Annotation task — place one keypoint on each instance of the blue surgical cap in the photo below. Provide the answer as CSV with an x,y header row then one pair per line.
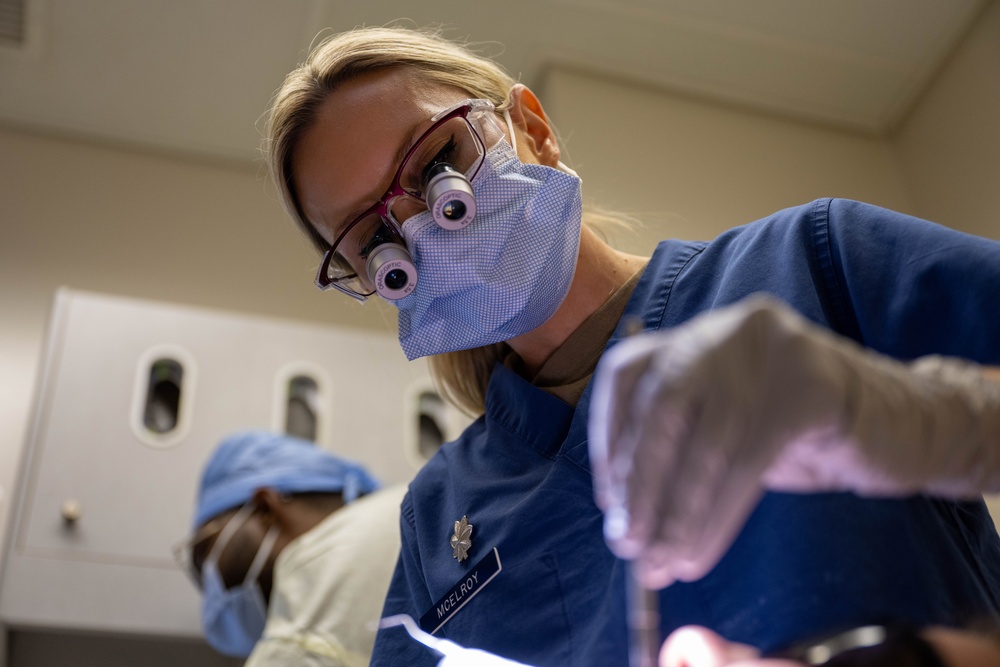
x,y
251,460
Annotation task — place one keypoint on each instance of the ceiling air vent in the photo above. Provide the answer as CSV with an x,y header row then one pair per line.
x,y
12,14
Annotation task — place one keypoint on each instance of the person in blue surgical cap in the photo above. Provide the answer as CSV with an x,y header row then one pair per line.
x,y
428,177
292,549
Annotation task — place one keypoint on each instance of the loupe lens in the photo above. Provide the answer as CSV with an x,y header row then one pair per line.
x,y
396,279
454,210
449,197
390,269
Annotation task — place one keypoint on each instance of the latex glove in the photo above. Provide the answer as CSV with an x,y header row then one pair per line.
x,y
688,426
454,654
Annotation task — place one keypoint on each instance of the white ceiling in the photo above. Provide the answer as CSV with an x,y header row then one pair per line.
x,y
194,76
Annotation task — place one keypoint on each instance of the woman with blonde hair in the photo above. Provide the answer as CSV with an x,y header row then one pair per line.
x,y
427,176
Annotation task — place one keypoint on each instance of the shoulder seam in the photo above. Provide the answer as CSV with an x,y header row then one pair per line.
x,y
834,299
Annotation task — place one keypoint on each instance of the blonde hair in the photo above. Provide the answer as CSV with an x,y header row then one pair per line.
x,y
462,377
348,55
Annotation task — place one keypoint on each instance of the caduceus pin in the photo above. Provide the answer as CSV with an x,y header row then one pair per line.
x,y
461,541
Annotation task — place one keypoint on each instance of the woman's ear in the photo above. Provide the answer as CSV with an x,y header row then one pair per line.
x,y
535,134
271,505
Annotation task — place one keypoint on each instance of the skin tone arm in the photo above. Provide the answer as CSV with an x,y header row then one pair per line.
x,y
963,648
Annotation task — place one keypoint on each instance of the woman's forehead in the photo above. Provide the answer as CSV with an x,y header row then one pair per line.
x,y
385,100
350,152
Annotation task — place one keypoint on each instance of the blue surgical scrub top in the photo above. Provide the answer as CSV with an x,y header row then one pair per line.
x,y
803,564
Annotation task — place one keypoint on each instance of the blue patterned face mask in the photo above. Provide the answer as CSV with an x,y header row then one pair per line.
x,y
503,275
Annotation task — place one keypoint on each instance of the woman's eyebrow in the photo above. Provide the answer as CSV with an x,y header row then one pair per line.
x,y
401,152
408,143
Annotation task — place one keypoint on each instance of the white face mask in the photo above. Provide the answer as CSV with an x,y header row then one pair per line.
x,y
233,619
507,272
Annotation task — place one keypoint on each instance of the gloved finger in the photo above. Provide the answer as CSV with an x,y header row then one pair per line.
x,y
717,470
612,412
649,360
734,452
709,503
694,432
647,455
667,484
682,471
651,445
624,459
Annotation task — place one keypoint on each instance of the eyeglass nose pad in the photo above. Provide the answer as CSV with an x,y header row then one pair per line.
x,y
405,207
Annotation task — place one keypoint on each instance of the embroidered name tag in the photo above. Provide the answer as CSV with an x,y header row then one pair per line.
x,y
467,587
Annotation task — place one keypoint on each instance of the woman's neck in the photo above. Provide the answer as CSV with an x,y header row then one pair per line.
x,y
600,271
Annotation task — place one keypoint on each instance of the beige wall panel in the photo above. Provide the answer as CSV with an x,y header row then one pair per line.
x,y
949,147
111,220
692,170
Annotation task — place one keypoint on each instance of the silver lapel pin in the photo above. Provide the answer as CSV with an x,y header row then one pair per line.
x,y
461,541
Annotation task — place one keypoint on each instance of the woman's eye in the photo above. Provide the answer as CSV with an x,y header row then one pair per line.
x,y
381,235
447,154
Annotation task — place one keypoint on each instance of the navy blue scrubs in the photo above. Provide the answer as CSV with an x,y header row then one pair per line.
x,y
803,564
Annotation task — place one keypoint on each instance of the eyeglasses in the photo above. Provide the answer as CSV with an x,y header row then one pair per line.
x,y
192,553
458,139
189,554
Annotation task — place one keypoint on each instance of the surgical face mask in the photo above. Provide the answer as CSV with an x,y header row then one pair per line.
x,y
233,619
503,275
